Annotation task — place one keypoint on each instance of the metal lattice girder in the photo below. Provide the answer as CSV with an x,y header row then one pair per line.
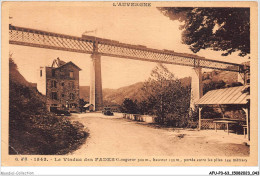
x,y
42,39
105,47
163,56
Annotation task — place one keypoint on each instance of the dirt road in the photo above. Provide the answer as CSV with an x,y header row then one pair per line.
x,y
117,136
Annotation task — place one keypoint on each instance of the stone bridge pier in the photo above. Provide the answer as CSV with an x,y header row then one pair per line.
x,y
196,87
96,97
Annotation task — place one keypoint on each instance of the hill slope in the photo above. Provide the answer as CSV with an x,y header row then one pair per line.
x,y
211,80
115,96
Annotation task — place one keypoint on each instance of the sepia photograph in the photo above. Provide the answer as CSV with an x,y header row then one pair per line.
x,y
129,84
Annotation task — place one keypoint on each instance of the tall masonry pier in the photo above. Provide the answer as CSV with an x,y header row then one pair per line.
x,y
96,97
196,86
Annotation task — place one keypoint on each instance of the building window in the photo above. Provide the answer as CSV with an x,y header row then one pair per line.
x,y
72,96
40,73
71,74
53,73
62,95
62,84
54,96
54,83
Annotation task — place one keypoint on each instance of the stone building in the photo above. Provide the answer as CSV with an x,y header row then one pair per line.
x,y
60,84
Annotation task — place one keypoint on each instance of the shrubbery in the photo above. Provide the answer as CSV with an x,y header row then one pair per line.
x,y
168,99
165,97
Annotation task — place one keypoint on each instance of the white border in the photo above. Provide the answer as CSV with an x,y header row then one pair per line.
x,y
174,170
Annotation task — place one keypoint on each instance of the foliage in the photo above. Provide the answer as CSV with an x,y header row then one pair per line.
x,y
213,85
220,29
143,107
34,130
166,98
210,113
234,112
163,96
129,106
220,84
82,103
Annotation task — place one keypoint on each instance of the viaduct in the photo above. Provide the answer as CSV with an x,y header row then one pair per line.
x,y
98,47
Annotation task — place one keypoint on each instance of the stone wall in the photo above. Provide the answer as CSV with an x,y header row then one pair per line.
x,y
138,117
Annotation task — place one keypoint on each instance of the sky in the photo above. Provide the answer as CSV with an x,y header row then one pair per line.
x,y
140,26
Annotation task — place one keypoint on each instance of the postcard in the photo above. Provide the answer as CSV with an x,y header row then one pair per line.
x,y
139,83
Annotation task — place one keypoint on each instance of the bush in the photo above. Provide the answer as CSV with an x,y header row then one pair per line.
x,y
129,106
166,98
213,85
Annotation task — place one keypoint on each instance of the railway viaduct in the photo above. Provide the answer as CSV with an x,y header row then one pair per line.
x,y
98,47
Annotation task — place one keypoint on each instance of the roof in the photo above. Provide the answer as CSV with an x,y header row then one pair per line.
x,y
60,63
232,95
71,64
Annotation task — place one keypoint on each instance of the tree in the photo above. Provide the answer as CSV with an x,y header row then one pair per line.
x,y
143,107
212,85
220,29
82,103
165,97
129,106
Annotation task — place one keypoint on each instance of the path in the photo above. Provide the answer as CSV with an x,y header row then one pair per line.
x,y
122,137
